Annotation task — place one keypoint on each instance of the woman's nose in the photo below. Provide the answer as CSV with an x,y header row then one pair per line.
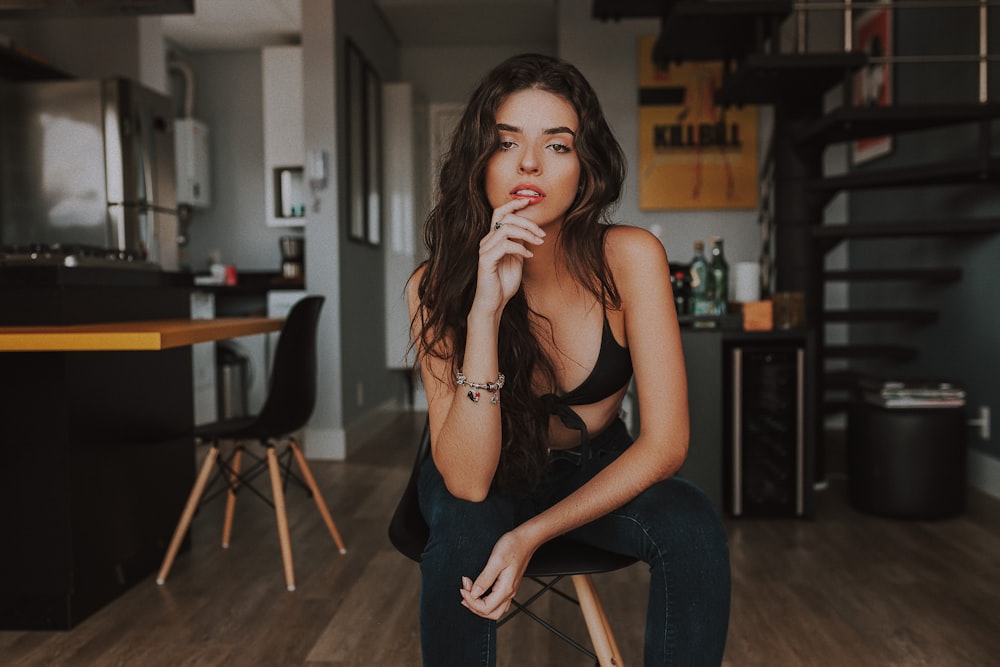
x,y
528,163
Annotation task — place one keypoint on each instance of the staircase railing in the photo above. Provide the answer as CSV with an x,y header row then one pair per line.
x,y
848,9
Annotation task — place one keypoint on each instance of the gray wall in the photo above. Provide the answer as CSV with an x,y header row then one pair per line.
x,y
228,92
367,381
962,345
353,377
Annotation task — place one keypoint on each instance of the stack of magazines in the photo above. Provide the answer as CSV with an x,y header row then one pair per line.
x,y
911,394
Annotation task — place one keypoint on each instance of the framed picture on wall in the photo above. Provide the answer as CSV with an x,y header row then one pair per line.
x,y
356,120
373,156
364,148
873,83
693,153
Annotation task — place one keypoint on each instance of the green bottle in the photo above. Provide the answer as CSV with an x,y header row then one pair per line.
x,y
700,303
719,270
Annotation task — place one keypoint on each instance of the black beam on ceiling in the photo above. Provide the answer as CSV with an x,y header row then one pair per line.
x,y
616,10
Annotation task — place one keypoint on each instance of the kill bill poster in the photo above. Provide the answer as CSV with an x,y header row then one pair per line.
x,y
693,154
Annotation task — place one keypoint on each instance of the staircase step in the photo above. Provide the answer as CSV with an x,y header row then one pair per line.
x,y
943,173
834,407
717,30
866,315
929,275
859,351
831,235
768,78
840,380
850,123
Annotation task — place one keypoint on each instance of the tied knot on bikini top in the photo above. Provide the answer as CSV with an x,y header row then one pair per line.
x,y
611,372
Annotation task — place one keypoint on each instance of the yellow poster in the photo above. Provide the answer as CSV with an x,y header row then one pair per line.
x,y
693,154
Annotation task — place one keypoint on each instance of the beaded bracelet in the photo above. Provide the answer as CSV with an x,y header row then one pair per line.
x,y
492,387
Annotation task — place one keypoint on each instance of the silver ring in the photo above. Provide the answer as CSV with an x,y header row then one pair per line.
x,y
497,225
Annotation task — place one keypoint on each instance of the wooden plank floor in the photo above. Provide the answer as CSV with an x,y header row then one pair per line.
x,y
843,589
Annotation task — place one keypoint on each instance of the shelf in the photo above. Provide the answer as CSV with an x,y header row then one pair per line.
x,y
890,352
767,79
930,275
945,173
718,30
850,123
76,8
840,380
830,235
868,316
19,65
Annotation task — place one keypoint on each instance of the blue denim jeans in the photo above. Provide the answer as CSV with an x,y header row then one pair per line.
x,y
672,526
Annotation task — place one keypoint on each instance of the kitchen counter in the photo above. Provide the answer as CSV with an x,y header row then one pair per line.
x,y
96,414
130,336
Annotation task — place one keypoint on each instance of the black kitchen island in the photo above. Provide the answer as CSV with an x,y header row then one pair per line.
x,y
97,456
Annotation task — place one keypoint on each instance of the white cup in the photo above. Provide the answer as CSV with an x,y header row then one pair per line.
x,y
747,279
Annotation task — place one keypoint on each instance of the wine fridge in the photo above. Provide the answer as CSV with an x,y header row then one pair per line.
x,y
766,433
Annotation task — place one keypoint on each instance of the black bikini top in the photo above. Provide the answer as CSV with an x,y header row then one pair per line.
x,y
611,372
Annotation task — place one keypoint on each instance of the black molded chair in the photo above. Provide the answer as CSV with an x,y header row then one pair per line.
x,y
557,559
290,401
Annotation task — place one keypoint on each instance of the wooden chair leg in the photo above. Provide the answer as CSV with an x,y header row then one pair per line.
x,y
597,623
282,517
188,513
227,526
317,496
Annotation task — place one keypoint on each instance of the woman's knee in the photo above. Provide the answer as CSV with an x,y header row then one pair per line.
x,y
460,529
680,517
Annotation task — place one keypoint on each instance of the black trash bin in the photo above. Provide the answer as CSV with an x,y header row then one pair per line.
x,y
906,462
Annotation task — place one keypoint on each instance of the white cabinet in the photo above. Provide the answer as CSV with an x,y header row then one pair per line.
x,y
284,144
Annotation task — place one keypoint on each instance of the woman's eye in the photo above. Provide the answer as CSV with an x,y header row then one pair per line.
x,y
560,148
506,145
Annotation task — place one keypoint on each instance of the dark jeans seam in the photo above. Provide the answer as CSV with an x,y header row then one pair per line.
x,y
667,633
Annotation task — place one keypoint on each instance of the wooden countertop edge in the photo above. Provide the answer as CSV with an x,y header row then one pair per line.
x,y
131,336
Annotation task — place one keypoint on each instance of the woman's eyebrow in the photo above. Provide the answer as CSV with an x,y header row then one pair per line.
x,y
561,130
504,127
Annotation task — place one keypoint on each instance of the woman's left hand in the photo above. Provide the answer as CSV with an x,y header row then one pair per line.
x,y
490,595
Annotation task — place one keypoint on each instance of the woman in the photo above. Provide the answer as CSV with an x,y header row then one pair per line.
x,y
528,319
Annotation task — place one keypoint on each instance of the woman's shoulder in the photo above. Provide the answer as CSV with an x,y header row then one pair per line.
x,y
629,248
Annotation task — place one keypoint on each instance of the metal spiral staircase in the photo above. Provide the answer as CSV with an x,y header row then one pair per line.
x,y
767,61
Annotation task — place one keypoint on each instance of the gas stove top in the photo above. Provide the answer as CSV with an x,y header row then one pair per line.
x,y
72,255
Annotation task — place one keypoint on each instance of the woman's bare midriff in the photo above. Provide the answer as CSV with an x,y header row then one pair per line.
x,y
597,417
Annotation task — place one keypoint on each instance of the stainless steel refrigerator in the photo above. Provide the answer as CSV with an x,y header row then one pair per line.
x,y
89,163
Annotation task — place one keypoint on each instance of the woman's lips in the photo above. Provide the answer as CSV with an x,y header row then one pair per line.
x,y
527,192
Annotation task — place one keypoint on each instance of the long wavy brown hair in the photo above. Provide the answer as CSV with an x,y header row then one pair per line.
x,y
460,218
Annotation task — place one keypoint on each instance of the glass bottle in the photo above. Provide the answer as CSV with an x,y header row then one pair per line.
x,y
719,270
700,303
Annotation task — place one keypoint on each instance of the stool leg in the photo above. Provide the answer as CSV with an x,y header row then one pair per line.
x,y
282,517
597,624
317,496
227,526
188,513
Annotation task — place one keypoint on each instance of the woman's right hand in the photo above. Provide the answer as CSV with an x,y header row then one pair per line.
x,y
502,253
